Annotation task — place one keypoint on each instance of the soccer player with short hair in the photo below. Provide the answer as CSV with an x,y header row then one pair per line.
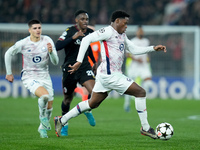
x,y
109,76
70,41
141,73
36,51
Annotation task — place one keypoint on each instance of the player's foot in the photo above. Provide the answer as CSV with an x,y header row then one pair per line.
x,y
45,123
90,118
127,108
43,133
58,125
151,133
64,130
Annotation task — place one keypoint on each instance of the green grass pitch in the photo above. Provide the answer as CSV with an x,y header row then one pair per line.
x,y
115,129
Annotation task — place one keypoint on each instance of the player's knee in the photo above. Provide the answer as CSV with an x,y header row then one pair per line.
x,y
67,99
45,98
141,93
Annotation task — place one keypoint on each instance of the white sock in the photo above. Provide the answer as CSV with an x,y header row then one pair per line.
x,y
127,99
140,105
77,110
42,104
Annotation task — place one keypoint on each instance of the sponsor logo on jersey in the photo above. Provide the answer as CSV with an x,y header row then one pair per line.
x,y
77,42
37,59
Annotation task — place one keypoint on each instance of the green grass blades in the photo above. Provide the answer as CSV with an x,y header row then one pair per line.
x,y
115,129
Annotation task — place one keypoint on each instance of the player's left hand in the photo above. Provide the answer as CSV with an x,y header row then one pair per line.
x,y
74,67
160,48
49,47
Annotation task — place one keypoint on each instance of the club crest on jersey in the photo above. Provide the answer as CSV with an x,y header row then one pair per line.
x,y
43,49
121,47
78,42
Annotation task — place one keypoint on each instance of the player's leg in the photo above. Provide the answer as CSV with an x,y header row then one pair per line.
x,y
140,105
81,107
127,102
43,99
69,85
89,84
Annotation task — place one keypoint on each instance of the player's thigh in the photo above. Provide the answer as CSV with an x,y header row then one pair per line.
x,y
68,83
89,85
34,86
86,78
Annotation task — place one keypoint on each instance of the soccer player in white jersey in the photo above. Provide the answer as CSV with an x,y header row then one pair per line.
x,y
141,73
109,76
36,51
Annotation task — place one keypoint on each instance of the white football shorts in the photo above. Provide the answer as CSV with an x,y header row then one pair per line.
x,y
33,84
116,81
142,71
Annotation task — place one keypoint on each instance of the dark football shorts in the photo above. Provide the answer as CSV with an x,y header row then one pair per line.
x,y
69,81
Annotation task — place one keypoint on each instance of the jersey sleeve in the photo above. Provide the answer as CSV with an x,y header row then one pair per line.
x,y
63,40
53,55
99,35
137,50
13,50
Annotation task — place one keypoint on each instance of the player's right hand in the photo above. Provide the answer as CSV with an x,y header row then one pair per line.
x,y
74,67
77,34
10,78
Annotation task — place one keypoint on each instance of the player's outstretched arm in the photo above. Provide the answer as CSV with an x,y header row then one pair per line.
x,y
74,67
160,48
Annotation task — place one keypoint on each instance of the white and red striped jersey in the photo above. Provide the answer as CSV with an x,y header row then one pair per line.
x,y
113,46
35,57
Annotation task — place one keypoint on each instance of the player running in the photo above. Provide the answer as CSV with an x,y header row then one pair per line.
x,y
109,76
36,51
70,40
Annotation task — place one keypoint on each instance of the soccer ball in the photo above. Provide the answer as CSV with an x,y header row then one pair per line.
x,y
164,131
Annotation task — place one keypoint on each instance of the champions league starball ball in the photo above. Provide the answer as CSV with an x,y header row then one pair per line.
x,y
164,131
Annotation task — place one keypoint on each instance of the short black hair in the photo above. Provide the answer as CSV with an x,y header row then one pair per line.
x,y
33,21
119,14
78,12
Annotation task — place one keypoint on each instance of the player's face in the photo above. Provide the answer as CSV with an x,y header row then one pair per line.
x,y
82,21
35,30
140,33
122,25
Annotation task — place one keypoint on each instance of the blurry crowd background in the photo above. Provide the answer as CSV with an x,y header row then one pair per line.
x,y
145,12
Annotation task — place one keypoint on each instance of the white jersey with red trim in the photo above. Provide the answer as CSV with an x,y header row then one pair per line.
x,y
35,57
113,46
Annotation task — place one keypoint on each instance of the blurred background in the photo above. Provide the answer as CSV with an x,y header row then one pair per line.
x,y
174,23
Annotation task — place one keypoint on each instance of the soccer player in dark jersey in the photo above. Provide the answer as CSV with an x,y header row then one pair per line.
x,y
70,41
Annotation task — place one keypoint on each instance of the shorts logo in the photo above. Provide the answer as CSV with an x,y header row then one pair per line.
x,y
37,59
65,90
102,30
121,47
128,79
